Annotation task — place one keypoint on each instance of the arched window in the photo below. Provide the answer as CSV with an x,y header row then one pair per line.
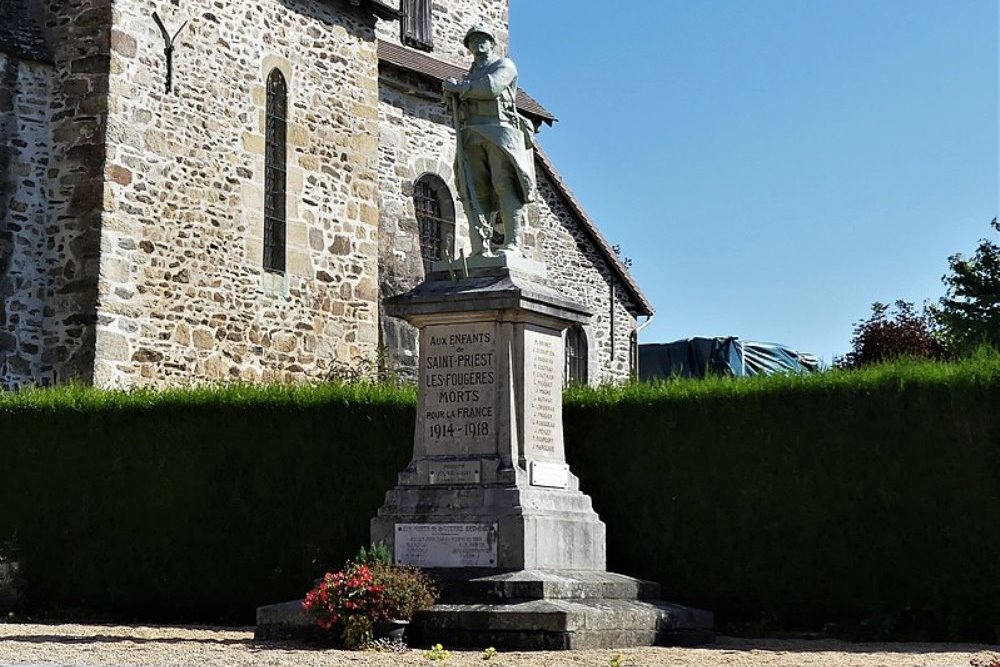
x,y
576,356
435,212
275,172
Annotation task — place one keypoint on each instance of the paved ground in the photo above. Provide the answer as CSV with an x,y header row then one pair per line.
x,y
71,645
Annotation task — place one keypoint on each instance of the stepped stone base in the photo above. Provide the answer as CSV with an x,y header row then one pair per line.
x,y
554,610
287,621
530,610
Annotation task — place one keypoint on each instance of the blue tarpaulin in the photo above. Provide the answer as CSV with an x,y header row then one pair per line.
x,y
698,357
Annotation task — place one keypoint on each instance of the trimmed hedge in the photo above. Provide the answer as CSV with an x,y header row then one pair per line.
x,y
193,505
866,502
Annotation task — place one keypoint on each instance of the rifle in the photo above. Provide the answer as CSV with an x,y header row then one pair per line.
x,y
466,184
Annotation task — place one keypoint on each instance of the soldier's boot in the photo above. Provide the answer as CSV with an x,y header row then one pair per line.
x,y
513,213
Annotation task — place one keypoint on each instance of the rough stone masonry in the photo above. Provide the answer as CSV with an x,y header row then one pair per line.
x,y
131,221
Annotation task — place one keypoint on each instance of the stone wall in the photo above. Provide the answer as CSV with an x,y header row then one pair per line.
x,y
452,19
183,296
25,145
579,270
415,138
53,216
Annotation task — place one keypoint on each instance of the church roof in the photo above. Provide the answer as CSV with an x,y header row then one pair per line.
x,y
20,34
643,306
423,64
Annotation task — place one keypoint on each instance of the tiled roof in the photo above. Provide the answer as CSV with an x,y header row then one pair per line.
x,y
643,305
20,34
421,63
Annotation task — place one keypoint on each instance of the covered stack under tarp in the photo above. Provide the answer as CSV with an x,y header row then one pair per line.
x,y
698,357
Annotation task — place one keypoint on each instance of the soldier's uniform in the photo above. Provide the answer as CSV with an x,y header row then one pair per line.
x,y
497,146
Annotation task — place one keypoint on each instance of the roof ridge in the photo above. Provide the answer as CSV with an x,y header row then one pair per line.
x,y
593,231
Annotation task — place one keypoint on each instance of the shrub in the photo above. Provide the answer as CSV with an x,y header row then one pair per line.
x,y
891,334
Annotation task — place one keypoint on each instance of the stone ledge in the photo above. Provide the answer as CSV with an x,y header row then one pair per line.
x,y
552,585
563,624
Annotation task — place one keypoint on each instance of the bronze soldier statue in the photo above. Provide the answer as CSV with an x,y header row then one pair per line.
x,y
494,161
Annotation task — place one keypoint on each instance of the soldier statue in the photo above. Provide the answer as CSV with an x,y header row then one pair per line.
x,y
494,162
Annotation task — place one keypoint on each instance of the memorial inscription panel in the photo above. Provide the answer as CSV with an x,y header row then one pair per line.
x,y
543,362
458,388
446,544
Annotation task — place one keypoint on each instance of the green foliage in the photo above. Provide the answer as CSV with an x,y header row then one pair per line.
x,y
405,591
378,553
437,653
970,312
863,500
358,632
193,505
895,333
860,501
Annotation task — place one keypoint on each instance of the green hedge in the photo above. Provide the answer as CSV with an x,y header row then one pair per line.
x,y
193,505
866,502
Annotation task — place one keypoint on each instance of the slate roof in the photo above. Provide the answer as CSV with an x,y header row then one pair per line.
x,y
644,307
20,34
421,63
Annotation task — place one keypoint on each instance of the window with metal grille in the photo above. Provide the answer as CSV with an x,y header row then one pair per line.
x,y
415,27
275,175
576,356
435,213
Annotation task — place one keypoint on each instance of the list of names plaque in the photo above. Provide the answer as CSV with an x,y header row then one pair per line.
x,y
543,358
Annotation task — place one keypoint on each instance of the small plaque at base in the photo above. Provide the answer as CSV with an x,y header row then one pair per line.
x,y
551,475
455,472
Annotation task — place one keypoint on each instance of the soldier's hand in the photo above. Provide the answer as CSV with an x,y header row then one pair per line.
x,y
452,85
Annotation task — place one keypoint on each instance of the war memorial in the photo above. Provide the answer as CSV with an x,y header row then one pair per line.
x,y
488,504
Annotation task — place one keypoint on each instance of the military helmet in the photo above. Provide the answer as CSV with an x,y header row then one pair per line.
x,y
480,29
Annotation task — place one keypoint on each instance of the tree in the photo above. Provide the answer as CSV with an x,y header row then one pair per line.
x,y
889,335
969,313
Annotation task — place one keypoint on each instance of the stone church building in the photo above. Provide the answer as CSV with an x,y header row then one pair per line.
x,y
203,190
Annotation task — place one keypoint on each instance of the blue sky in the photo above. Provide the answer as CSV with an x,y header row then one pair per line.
x,y
773,167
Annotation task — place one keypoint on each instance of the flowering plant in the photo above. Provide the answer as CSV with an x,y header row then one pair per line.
x,y
340,594
367,591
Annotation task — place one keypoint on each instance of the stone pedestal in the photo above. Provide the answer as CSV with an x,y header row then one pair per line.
x,y
488,504
488,485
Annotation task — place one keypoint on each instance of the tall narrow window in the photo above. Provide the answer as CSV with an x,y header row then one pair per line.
x,y
416,24
576,356
275,173
435,213
633,355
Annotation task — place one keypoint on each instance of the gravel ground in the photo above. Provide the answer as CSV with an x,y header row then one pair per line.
x,y
134,646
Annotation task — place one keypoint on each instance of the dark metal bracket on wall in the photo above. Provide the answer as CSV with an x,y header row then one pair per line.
x,y
168,48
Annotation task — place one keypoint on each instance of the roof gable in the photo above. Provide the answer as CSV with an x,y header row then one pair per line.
x,y
643,305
